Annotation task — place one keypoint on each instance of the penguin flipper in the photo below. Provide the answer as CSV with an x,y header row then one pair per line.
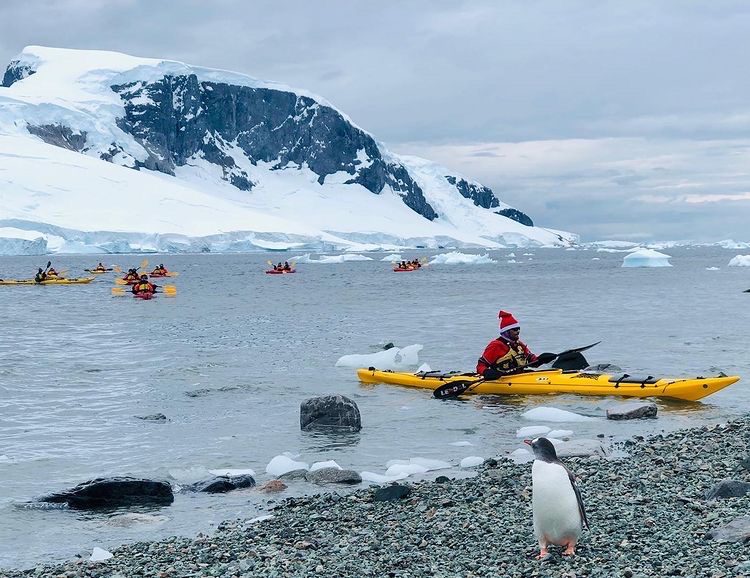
x,y
579,499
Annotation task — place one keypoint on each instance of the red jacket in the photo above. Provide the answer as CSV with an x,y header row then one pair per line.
x,y
505,355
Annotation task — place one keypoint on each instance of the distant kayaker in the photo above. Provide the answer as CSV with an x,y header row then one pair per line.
x,y
100,267
160,270
287,267
506,354
40,276
51,272
131,275
143,286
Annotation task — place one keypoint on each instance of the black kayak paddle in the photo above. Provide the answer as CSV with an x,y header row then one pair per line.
x,y
455,388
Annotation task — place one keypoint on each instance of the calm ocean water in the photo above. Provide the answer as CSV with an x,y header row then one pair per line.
x,y
229,360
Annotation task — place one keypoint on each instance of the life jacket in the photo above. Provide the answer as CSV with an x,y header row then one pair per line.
x,y
144,287
505,356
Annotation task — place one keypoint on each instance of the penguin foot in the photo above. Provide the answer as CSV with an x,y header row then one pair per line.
x,y
543,553
570,550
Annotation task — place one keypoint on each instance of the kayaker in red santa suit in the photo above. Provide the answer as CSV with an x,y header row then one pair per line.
x,y
507,354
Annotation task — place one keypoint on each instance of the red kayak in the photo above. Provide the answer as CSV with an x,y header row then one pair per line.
x,y
158,274
145,295
273,272
399,270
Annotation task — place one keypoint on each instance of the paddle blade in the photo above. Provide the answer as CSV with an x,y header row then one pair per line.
x,y
116,269
119,281
269,262
170,290
118,292
571,361
453,389
173,274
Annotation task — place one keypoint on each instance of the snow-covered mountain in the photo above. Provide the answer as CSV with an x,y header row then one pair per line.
x,y
102,151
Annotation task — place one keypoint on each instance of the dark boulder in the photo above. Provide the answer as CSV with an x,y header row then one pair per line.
x,y
391,493
114,493
738,530
331,412
728,489
222,484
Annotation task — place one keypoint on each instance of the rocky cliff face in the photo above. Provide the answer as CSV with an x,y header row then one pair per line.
x,y
179,118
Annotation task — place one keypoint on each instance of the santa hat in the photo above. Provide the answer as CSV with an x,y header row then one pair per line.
x,y
507,321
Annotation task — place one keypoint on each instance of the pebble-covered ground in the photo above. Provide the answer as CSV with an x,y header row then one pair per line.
x,y
648,516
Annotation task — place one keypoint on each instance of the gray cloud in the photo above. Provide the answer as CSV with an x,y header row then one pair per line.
x,y
446,73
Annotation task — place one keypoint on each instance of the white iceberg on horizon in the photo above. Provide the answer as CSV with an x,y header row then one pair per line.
x,y
646,258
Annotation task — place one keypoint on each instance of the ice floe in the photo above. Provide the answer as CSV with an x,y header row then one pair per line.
x,y
471,462
393,358
457,258
282,464
740,261
553,414
646,258
330,259
532,431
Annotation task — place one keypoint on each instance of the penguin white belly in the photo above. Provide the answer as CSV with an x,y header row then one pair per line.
x,y
557,519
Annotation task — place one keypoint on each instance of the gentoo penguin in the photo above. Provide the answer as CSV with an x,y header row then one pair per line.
x,y
559,515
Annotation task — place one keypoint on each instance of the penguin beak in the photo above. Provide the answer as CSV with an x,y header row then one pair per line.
x,y
528,442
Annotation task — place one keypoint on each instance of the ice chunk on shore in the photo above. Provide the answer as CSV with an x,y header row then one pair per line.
x,y
326,464
560,433
471,462
532,431
99,555
740,261
408,469
553,414
280,465
380,478
646,258
430,464
393,358
457,258
521,455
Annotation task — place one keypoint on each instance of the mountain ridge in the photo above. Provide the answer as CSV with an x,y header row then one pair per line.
x,y
197,125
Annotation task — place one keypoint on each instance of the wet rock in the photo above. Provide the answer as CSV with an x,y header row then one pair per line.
x,y
330,412
388,346
632,410
728,489
391,493
153,417
272,486
114,493
738,530
222,484
333,476
300,474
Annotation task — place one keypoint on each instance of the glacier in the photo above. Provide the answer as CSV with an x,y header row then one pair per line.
x,y
102,152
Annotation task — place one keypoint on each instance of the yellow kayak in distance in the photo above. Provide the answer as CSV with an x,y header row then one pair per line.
x,y
71,281
559,381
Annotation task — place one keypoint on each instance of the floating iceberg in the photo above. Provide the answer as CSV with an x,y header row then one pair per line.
x,y
646,258
393,358
740,261
457,258
331,259
553,414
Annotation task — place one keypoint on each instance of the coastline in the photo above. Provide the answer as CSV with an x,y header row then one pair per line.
x,y
648,515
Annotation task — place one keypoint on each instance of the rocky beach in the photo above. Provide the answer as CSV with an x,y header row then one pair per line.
x,y
666,509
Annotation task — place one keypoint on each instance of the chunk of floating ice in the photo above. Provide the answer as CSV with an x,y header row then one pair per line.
x,y
456,258
233,472
471,462
331,259
461,443
393,358
392,258
712,268
261,518
380,478
553,414
321,465
430,464
521,455
532,431
99,555
646,258
280,465
424,368
560,433
740,261
407,469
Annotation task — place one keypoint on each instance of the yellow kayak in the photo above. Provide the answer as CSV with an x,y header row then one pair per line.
x,y
71,281
559,381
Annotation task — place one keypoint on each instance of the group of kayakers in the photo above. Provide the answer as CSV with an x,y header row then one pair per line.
x,y
140,283
285,267
413,264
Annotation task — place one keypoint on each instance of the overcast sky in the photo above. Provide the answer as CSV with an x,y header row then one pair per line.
x,y
612,119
